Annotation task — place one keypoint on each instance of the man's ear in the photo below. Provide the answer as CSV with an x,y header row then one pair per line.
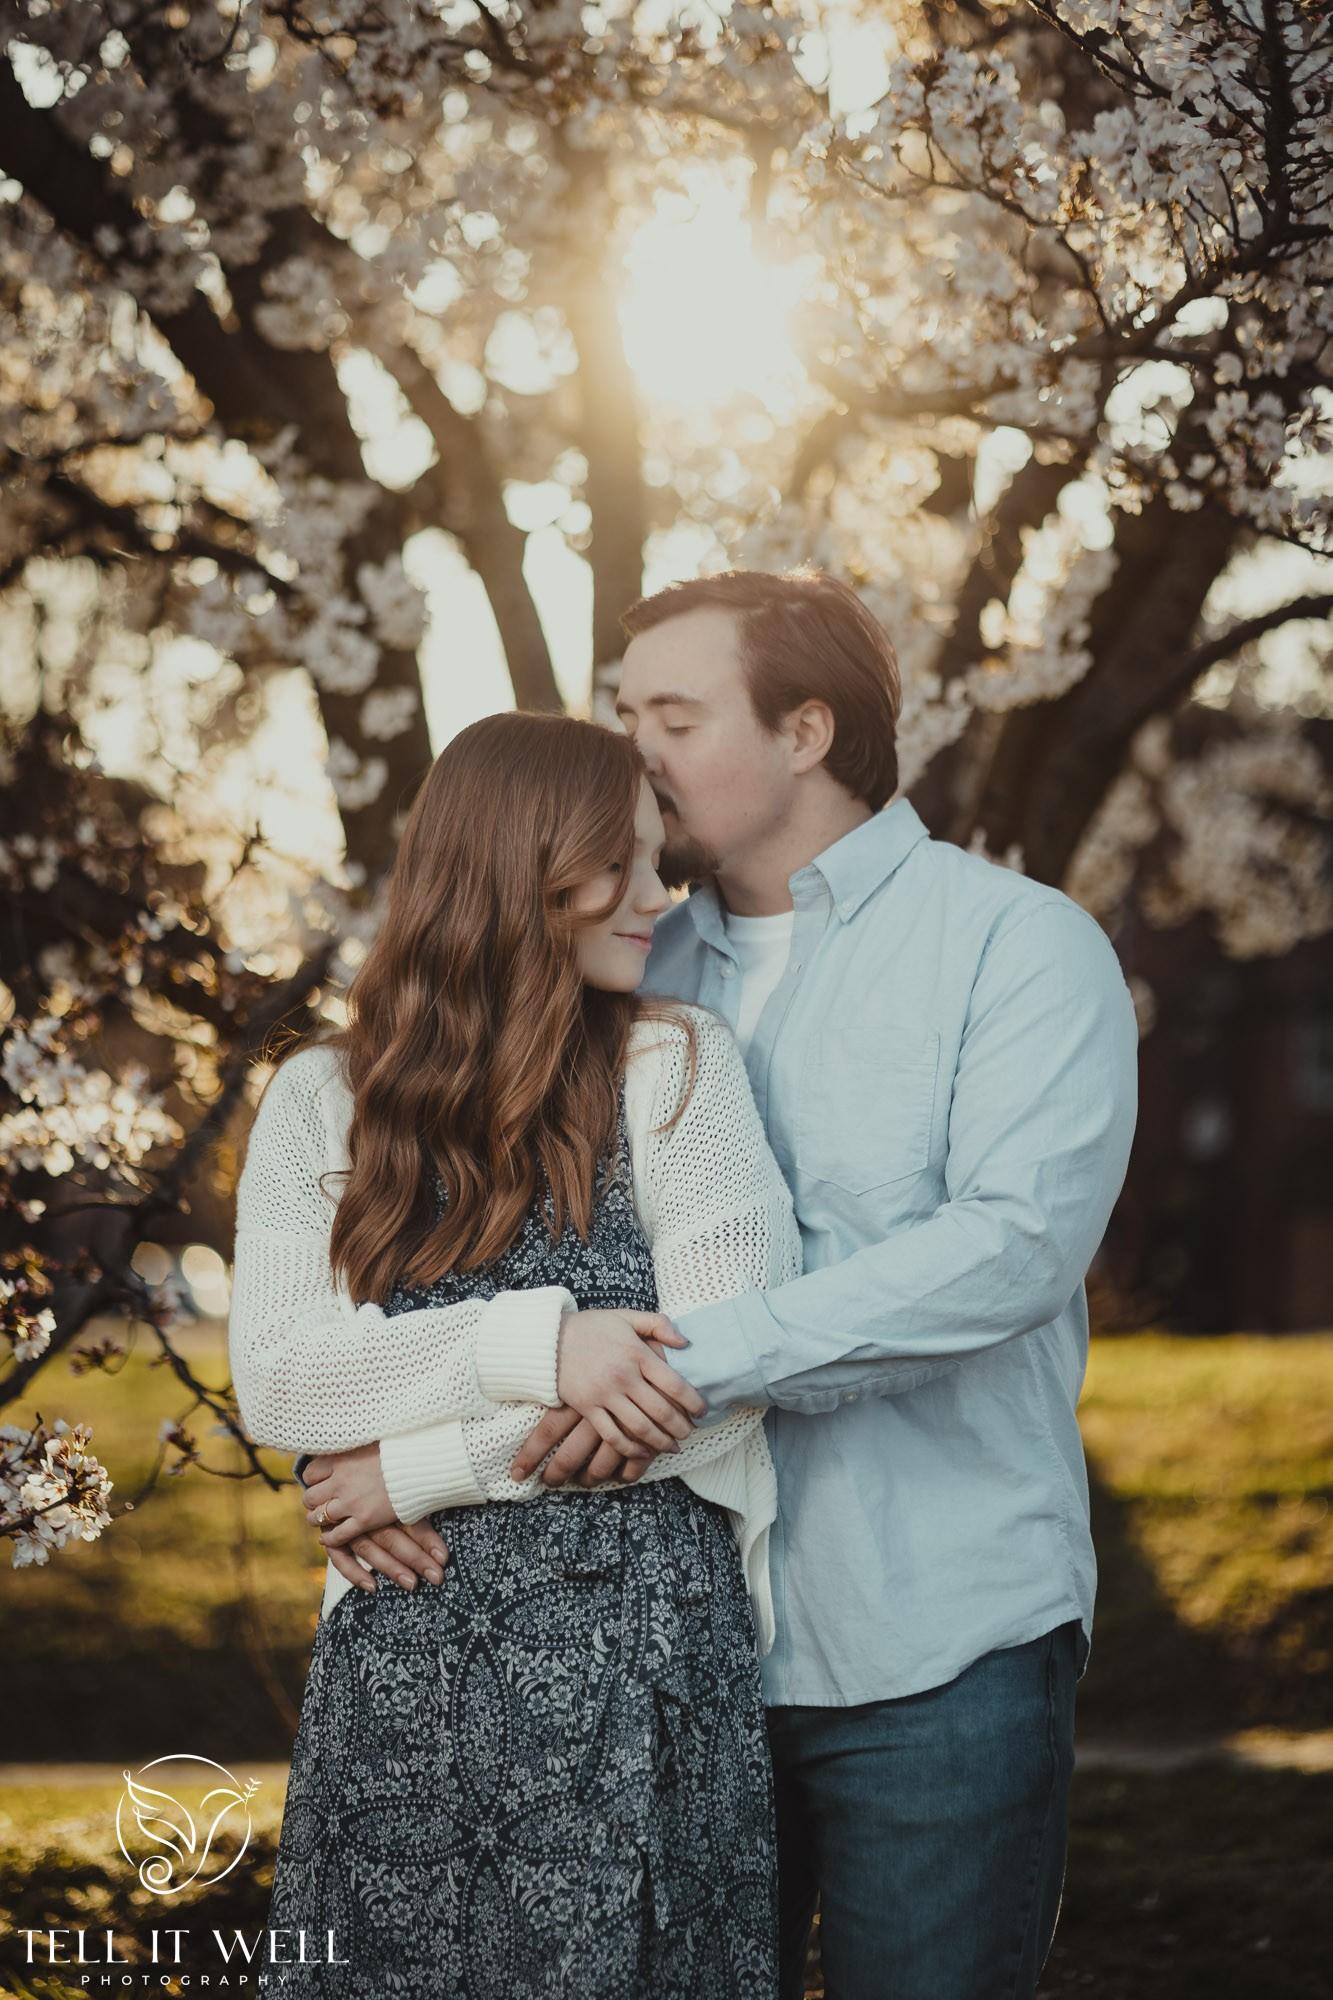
x,y
811,729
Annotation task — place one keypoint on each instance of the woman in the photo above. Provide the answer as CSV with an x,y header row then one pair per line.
x,y
546,1773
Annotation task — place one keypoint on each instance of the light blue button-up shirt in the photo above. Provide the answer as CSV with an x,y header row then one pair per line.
x,y
947,1072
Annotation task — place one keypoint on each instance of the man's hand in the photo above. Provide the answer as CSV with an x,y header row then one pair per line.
x,y
582,1456
610,1372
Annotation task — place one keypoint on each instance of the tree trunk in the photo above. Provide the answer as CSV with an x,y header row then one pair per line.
x,y
1056,760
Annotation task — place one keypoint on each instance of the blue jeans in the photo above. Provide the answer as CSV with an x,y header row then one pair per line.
x,y
931,1829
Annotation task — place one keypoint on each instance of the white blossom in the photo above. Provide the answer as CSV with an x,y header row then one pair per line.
x,y
387,712
340,656
68,1113
396,604
300,307
52,1490
357,782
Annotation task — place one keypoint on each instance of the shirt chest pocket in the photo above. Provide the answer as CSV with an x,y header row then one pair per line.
x,y
867,1108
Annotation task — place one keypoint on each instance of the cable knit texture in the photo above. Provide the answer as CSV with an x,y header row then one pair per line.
x,y
454,1397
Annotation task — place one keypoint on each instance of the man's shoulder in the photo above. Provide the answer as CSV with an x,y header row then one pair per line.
x,y
992,895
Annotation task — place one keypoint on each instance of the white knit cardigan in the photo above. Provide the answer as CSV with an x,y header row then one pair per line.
x,y
449,1391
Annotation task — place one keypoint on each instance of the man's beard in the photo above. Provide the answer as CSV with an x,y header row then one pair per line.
x,y
684,859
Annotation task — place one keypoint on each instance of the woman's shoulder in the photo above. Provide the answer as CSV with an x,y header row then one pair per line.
x,y
296,1135
304,1097
674,1027
305,1075
682,1057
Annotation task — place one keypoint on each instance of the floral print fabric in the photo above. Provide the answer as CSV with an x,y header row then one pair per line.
x,y
547,1777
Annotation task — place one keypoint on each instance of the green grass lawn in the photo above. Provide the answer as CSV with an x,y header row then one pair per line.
x,y
1211,1463
188,1627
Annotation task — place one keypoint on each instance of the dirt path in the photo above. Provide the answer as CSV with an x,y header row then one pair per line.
x,y
1310,1751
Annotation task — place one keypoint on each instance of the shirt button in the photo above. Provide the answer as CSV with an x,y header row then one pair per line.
x,y
727,971
852,1396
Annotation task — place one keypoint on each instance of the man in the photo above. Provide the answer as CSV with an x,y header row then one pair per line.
x,y
944,1056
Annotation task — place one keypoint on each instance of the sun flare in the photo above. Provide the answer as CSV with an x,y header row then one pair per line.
x,y
705,318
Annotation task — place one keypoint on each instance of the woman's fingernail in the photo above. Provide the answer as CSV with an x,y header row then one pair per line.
x,y
435,1575
440,1553
407,1580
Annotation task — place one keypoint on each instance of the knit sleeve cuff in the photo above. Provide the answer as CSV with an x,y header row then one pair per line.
x,y
518,1342
428,1469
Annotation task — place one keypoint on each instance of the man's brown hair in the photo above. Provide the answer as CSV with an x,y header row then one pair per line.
x,y
805,637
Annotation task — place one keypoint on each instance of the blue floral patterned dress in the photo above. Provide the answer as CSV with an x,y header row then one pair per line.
x,y
547,1777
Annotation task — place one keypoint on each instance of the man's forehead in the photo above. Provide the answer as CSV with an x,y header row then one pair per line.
x,y
680,659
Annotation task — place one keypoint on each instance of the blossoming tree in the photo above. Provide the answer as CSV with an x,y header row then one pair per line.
x,y
1052,392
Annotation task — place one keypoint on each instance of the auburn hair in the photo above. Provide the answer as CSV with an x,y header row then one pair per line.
x,y
473,1045
805,637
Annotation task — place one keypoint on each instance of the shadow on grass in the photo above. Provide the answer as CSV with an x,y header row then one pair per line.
x,y
1207,1884
1149,1674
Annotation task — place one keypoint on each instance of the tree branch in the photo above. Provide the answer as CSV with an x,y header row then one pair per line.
x,y
133,1223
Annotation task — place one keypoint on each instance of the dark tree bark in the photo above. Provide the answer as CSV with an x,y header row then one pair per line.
x,y
470,504
1056,760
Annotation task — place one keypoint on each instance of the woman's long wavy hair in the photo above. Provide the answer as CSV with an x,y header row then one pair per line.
x,y
472,1042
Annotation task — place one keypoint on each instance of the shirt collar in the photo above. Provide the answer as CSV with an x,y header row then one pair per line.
x,y
855,866
851,869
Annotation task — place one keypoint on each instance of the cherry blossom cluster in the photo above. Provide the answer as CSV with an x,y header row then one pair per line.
x,y
52,1490
66,1113
1187,218
1228,826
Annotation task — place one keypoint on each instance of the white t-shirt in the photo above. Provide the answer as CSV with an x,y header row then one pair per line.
x,y
763,946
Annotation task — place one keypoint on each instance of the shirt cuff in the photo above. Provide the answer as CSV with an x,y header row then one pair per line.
x,y
428,1469
721,1361
518,1342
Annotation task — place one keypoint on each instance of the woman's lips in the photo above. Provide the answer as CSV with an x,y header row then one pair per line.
x,y
643,939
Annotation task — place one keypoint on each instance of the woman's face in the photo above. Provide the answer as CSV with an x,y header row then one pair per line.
x,y
612,953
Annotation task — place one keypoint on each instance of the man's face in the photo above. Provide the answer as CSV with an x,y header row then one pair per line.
x,y
721,779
